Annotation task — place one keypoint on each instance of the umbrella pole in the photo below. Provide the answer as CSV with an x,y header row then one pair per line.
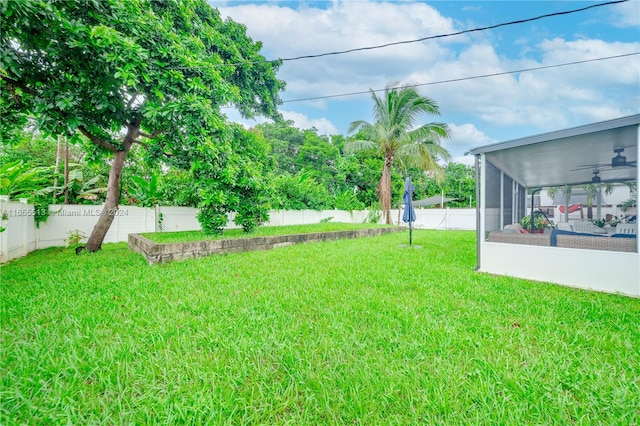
x,y
410,233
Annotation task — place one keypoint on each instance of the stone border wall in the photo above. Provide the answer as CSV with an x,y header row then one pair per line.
x,y
163,253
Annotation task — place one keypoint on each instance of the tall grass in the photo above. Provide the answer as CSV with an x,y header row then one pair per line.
x,y
343,332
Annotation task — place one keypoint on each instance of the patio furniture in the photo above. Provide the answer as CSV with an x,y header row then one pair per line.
x,y
626,229
566,239
526,239
564,226
597,242
584,226
572,208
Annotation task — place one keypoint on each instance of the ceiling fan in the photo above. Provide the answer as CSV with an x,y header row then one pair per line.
x,y
618,160
596,178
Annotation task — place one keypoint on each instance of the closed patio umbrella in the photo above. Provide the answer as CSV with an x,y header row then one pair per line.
x,y
409,214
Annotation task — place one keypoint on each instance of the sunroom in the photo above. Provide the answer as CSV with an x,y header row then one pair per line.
x,y
561,207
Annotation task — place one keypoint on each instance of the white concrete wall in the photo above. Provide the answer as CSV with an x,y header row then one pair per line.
x,y
18,237
65,219
21,236
177,219
612,272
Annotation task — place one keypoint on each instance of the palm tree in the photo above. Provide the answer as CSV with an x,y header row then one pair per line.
x,y
393,136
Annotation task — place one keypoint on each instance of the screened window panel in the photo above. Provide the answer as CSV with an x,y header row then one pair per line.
x,y
492,198
507,201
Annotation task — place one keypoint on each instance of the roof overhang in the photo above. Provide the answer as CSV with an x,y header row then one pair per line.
x,y
559,158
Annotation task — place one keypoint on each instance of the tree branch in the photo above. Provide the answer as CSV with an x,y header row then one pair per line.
x,y
83,130
132,100
141,143
97,140
18,84
153,135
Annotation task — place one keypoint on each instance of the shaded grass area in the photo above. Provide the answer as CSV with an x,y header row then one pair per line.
x,y
263,231
341,332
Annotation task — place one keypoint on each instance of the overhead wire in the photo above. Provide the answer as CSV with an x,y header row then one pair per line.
x,y
489,27
453,80
433,37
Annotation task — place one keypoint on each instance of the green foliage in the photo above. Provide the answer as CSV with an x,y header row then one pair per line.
x,y
75,238
300,192
250,216
4,216
83,190
304,153
631,202
363,334
29,146
19,180
212,217
146,190
285,141
160,69
347,200
176,188
236,179
318,158
374,213
539,222
394,137
459,182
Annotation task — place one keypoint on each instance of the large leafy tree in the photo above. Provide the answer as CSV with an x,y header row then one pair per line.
x,y
126,73
234,180
396,139
285,141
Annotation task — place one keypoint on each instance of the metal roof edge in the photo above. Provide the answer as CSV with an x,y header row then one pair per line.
x,y
615,123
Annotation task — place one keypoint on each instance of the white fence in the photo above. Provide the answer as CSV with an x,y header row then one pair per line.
x,y
21,235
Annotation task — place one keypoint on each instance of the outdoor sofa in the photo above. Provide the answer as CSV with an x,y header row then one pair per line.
x,y
568,239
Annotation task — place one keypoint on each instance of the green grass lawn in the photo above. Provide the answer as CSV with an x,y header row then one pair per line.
x,y
343,332
266,231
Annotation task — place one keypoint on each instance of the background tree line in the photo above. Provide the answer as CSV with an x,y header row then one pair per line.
x,y
305,170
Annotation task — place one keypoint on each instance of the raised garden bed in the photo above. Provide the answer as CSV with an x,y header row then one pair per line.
x,y
167,252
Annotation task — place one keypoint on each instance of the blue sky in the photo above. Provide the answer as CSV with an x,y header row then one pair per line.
x,y
478,111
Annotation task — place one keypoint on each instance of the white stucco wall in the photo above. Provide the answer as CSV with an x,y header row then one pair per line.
x,y
21,235
612,272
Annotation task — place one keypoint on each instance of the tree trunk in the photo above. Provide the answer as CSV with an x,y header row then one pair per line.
x,y
110,208
57,168
384,190
66,171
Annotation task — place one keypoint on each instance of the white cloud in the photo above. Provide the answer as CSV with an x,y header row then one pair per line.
x,y
545,99
301,121
527,102
287,32
626,14
234,116
469,160
465,136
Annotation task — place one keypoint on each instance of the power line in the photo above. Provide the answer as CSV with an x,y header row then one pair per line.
x,y
490,27
465,78
396,43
